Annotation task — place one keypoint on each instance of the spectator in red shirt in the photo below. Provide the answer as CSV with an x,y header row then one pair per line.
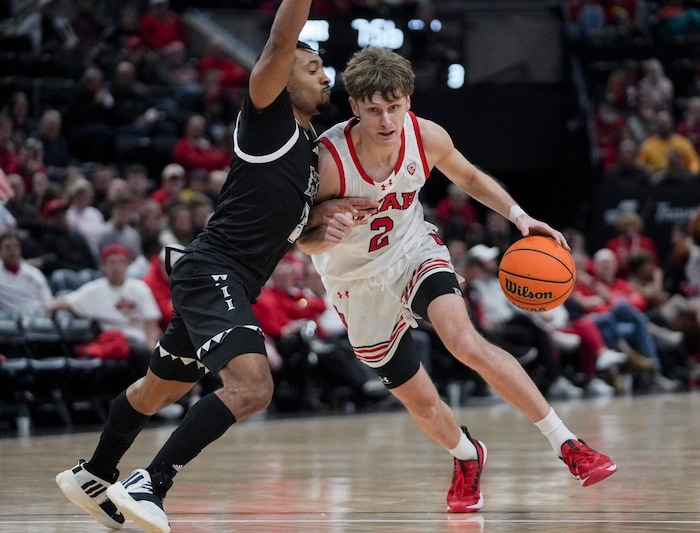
x,y
172,183
195,150
610,129
604,288
455,213
160,26
281,304
629,240
233,75
158,281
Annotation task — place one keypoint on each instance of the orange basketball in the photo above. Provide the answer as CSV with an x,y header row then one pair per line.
x,y
537,273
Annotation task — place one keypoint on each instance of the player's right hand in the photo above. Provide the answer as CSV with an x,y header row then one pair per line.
x,y
339,226
361,207
355,206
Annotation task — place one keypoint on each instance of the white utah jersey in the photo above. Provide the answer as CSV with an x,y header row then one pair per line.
x,y
379,247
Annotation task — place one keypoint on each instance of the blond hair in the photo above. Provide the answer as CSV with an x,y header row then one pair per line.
x,y
375,70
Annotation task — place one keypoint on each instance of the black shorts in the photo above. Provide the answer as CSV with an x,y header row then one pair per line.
x,y
406,361
213,323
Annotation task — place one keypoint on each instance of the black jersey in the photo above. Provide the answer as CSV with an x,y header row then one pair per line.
x,y
265,202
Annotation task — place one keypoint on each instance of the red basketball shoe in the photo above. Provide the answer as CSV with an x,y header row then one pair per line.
x,y
586,464
465,495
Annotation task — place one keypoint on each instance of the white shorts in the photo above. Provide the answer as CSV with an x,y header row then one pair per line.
x,y
377,310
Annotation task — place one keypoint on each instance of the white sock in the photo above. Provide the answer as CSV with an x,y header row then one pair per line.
x,y
465,449
554,429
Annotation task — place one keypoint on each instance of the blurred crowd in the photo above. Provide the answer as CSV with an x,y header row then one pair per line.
x,y
643,77
132,158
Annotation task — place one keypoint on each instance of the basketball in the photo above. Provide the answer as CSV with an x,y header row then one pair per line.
x,y
537,273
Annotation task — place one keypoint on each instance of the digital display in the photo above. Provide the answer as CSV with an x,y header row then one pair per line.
x,y
421,41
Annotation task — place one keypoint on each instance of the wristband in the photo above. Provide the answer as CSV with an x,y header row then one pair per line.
x,y
515,212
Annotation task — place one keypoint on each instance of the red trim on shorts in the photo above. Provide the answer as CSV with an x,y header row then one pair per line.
x,y
379,351
423,270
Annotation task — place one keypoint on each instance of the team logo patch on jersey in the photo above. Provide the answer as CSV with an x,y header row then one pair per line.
x,y
411,168
312,185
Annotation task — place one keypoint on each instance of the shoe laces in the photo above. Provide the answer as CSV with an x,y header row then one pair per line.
x,y
465,478
579,456
161,483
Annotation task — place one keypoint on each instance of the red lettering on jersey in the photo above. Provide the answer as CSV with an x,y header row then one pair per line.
x,y
390,201
408,198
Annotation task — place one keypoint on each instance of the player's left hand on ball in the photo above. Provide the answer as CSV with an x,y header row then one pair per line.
x,y
530,226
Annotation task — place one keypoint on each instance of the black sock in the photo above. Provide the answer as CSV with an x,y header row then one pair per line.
x,y
123,425
205,422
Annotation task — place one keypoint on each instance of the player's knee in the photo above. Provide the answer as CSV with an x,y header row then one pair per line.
x,y
148,396
262,394
248,400
247,393
428,412
468,347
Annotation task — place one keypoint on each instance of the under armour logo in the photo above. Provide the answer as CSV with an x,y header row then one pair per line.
x,y
385,185
342,295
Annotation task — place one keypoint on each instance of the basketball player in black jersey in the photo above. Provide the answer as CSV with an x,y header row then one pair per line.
x,y
263,208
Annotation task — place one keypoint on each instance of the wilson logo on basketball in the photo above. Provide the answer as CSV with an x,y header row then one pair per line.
x,y
524,291
536,273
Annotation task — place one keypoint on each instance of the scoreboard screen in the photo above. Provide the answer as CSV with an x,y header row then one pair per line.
x,y
433,46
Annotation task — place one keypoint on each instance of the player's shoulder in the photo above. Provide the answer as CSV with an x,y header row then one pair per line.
x,y
329,172
429,127
336,131
433,135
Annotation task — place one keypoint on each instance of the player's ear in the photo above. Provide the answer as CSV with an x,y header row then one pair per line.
x,y
353,106
408,103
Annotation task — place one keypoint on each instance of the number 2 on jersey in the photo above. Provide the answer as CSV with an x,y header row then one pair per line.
x,y
384,225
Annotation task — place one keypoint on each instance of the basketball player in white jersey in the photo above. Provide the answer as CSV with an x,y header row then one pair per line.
x,y
390,270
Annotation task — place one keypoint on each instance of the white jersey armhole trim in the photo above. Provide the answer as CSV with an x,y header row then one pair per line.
x,y
248,158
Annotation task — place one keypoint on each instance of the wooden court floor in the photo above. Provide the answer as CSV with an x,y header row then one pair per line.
x,y
376,473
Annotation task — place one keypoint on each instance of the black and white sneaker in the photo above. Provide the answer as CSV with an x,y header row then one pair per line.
x,y
140,498
89,492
